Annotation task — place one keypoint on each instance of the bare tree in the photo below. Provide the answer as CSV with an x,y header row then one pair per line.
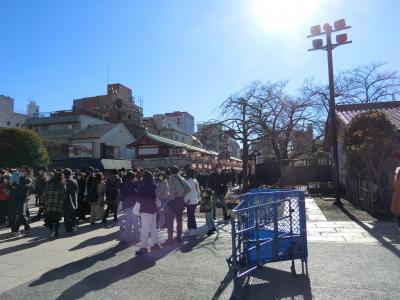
x,y
369,84
281,118
236,116
363,84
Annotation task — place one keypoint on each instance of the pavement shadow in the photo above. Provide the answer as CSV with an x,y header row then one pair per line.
x,y
77,266
378,232
196,242
97,240
268,283
104,278
36,237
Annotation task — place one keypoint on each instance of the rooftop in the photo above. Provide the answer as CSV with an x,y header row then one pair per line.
x,y
391,109
62,116
94,131
170,142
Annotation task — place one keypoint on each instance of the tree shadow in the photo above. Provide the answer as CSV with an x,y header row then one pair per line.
x,y
278,284
378,232
104,278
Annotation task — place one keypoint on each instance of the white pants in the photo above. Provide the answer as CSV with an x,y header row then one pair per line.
x,y
148,227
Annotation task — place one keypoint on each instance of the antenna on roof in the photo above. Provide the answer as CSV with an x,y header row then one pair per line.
x,y
108,74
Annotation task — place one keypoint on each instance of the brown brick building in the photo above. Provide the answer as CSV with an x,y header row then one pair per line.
x,y
118,105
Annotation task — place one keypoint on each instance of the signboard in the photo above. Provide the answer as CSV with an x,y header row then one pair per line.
x,y
148,150
80,150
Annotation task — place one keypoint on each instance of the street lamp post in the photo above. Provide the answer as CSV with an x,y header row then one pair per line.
x,y
341,39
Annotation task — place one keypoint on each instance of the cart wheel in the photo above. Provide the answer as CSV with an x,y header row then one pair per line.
x,y
293,270
307,269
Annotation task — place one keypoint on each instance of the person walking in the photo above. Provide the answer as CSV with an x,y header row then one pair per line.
x,y
178,189
146,197
71,203
191,201
162,192
4,197
219,186
19,196
395,206
128,220
97,199
54,198
113,184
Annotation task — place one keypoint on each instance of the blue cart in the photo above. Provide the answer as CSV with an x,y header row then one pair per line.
x,y
268,225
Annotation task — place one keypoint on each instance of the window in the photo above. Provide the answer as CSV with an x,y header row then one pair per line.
x,y
129,117
8,123
17,124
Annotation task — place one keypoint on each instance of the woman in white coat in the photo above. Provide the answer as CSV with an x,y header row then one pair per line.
x,y
191,201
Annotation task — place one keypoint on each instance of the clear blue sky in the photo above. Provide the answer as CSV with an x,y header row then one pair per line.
x,y
178,55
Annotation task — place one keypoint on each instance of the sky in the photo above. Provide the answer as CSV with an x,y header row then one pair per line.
x,y
186,55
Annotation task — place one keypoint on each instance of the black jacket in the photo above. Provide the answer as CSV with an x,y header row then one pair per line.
x,y
218,184
71,194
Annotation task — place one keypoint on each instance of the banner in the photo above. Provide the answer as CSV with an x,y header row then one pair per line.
x,y
80,150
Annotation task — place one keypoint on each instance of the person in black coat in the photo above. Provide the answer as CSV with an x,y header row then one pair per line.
x,y
218,183
19,195
83,206
70,202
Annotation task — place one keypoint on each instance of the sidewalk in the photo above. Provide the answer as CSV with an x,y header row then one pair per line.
x,y
347,260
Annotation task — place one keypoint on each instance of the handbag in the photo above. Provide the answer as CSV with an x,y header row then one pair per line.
x,y
136,209
158,202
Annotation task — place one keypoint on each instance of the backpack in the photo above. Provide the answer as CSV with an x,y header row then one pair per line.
x,y
186,187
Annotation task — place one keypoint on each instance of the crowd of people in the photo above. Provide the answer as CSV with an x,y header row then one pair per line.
x,y
141,202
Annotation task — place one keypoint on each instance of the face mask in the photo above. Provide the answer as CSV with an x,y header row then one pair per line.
x,y
123,173
219,171
41,172
79,177
6,181
161,178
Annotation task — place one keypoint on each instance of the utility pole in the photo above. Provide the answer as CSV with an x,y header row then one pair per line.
x,y
341,39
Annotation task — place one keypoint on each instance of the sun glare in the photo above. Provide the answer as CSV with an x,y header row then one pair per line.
x,y
282,15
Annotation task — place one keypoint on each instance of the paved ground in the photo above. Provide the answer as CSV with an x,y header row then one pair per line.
x,y
347,260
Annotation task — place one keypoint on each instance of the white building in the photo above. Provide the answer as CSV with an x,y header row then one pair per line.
x,y
183,120
32,109
8,117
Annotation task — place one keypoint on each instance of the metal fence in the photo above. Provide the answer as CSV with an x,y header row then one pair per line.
x,y
294,172
268,226
361,194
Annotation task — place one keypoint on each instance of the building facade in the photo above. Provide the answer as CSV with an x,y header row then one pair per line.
x,y
182,120
8,117
215,138
80,138
118,105
154,151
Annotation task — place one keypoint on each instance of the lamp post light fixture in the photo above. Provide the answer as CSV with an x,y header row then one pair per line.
x,y
318,44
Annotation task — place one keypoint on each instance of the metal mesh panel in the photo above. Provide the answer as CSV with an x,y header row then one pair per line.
x,y
267,226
